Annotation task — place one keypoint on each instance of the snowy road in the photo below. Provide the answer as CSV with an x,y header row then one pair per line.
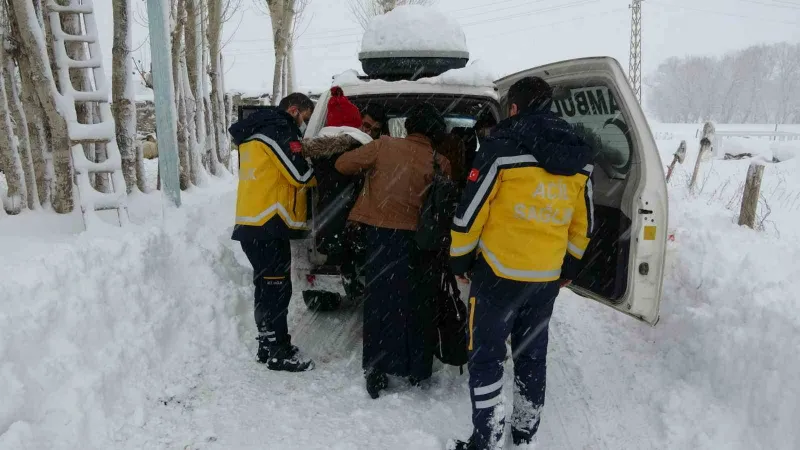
x,y
238,404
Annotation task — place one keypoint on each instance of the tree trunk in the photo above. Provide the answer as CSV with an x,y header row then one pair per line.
x,y
141,175
285,76
123,101
34,127
217,107
37,134
102,181
228,111
44,21
210,155
196,174
290,67
40,75
194,44
10,161
21,120
177,79
280,33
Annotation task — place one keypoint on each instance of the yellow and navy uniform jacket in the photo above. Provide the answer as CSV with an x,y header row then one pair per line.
x,y
272,200
527,209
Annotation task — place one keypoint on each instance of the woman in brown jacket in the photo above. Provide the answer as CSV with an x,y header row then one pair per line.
x,y
398,318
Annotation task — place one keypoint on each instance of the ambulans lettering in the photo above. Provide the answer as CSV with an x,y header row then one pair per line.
x,y
596,101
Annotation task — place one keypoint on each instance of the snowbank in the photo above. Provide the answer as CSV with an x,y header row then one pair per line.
x,y
729,333
96,332
414,27
784,151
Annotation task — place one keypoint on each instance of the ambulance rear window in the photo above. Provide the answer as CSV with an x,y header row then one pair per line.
x,y
595,113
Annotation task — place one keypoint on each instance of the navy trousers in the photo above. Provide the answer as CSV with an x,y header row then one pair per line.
x,y
498,308
272,263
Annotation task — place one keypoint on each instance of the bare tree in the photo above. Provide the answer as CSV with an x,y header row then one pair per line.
x,y
10,161
281,13
364,10
123,98
38,71
177,34
759,84
12,83
38,137
216,18
787,81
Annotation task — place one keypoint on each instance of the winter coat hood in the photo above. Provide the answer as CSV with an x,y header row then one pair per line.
x,y
332,141
551,140
271,121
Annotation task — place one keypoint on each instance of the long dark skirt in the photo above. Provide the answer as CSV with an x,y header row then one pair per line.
x,y
398,306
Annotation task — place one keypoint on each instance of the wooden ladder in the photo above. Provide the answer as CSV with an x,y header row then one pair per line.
x,y
90,199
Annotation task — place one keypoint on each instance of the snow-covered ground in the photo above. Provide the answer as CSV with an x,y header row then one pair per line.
x,y
145,340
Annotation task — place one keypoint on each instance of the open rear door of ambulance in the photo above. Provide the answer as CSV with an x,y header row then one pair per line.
x,y
624,265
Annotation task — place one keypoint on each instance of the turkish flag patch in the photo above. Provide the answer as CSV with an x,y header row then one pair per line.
x,y
473,175
296,147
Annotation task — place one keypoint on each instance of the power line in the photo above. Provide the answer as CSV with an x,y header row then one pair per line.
x,y
353,32
544,10
267,52
775,4
709,11
560,22
480,22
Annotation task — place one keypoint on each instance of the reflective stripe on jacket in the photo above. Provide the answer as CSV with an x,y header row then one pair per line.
x,y
272,198
524,212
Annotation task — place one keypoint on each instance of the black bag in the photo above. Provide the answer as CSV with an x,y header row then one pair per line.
x,y
450,323
436,216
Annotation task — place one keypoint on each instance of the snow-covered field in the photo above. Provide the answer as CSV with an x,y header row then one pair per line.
x,y
144,340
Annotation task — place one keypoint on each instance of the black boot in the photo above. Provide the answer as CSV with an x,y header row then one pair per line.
x,y
460,445
263,350
287,358
523,440
376,382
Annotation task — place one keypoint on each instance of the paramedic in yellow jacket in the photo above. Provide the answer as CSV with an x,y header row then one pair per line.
x,y
526,212
271,209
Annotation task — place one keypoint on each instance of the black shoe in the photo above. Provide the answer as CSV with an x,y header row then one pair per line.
x,y
263,350
288,359
413,382
460,445
521,438
376,382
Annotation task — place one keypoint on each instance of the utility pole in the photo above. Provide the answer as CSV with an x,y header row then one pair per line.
x,y
635,58
164,90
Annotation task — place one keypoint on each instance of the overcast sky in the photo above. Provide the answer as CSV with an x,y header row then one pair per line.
x,y
511,35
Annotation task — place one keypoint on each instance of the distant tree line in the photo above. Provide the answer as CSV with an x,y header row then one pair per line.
x,y
760,84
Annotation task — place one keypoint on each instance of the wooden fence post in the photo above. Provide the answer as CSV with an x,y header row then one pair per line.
x,y
752,192
678,157
705,146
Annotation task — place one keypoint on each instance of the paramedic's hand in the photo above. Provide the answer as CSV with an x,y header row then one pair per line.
x,y
565,283
463,278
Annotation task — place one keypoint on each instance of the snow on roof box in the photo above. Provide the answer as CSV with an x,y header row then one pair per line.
x,y
411,42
